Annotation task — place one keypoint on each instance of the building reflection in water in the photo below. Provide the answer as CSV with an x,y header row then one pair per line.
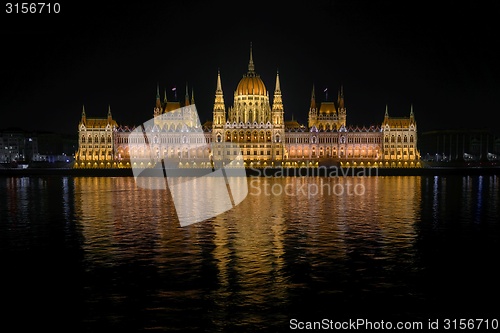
x,y
300,239
307,248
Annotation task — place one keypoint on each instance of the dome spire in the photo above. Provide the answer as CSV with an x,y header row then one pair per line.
x,y
251,67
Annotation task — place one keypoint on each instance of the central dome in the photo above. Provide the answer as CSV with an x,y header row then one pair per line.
x,y
251,85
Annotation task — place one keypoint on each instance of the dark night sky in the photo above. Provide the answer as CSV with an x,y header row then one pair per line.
x,y
441,57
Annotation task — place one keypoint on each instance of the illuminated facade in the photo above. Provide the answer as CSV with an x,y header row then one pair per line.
x,y
253,126
400,139
96,137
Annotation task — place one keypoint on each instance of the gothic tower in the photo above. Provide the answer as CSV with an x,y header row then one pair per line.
x,y
219,111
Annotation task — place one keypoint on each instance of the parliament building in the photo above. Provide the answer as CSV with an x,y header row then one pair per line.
x,y
253,128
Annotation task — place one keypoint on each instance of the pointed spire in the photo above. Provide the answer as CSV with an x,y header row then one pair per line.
x,y
84,116
277,101
411,111
109,113
186,97
219,112
251,67
158,110
313,99
277,82
192,96
158,102
219,85
340,100
386,111
219,106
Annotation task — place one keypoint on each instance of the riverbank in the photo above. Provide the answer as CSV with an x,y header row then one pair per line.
x,y
265,172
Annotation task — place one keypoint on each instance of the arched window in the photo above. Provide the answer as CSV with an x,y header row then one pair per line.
x,y
411,138
83,138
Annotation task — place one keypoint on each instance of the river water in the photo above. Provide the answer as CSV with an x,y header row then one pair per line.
x,y
99,254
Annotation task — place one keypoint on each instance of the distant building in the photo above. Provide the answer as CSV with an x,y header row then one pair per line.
x,y
18,146
255,126
460,145
56,147
22,147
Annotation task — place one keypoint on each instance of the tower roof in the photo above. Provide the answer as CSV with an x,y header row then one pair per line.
x,y
327,108
252,85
